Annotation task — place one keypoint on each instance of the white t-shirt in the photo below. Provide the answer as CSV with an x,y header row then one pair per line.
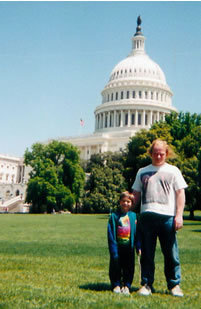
x,y
158,185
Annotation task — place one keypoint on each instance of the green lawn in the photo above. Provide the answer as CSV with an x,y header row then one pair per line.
x,y
61,261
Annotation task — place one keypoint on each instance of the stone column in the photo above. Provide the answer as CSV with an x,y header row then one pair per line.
x,y
150,118
104,120
108,120
115,116
121,123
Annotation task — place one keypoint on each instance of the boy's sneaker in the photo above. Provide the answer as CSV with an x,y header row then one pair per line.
x,y
125,290
176,291
117,289
145,290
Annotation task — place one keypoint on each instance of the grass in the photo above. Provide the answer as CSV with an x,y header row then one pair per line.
x,y
61,261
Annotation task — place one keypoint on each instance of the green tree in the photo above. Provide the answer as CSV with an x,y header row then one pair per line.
x,y
105,183
190,170
56,180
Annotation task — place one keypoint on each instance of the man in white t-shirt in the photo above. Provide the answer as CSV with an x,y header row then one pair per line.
x,y
161,189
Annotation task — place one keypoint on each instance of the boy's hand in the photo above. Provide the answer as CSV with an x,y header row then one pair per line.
x,y
139,252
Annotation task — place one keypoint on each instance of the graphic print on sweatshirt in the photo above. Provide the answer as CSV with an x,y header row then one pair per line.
x,y
156,187
123,230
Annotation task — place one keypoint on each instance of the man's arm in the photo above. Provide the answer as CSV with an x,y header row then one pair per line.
x,y
137,197
180,203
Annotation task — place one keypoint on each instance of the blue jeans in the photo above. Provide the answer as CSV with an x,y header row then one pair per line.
x,y
152,226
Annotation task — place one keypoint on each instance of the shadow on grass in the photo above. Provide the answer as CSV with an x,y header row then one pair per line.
x,y
196,218
198,231
100,287
192,223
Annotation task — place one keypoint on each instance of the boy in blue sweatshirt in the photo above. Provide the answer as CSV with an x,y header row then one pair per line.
x,y
121,241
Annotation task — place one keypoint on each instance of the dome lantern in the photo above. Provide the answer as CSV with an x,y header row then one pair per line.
x,y
138,40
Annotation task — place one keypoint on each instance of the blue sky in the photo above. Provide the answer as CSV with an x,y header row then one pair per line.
x,y
56,57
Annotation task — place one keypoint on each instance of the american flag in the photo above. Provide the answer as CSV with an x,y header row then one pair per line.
x,y
81,122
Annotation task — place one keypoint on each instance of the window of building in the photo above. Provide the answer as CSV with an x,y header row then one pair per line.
x,y
1,176
106,121
119,120
7,175
122,95
146,119
133,119
127,94
139,119
140,94
126,119
108,98
116,95
133,94
121,71
112,97
152,95
156,95
146,95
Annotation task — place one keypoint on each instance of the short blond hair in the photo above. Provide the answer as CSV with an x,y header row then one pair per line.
x,y
169,151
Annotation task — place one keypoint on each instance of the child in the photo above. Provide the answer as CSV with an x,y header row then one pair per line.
x,y
121,241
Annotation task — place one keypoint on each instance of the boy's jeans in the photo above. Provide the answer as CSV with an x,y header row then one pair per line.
x,y
122,268
152,226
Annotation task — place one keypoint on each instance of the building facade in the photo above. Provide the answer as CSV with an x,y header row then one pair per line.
x,y
136,96
13,177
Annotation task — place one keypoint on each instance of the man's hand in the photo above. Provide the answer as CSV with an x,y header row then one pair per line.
x,y
180,201
178,222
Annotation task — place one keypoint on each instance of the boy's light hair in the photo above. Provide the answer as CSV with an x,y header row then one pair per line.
x,y
169,151
128,195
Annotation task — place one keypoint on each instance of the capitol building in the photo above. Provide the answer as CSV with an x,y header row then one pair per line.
x,y
136,96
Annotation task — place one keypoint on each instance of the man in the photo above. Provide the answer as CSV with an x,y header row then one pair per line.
x,y
161,189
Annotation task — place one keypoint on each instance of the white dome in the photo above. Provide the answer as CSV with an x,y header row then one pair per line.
x,y
138,67
137,94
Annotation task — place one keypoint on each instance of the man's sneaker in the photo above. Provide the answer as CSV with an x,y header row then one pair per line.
x,y
176,291
117,289
125,290
145,290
